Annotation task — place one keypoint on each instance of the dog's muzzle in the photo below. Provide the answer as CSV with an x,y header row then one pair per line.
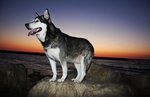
x,y
33,31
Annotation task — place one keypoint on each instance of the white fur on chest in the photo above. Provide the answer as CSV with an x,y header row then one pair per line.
x,y
53,53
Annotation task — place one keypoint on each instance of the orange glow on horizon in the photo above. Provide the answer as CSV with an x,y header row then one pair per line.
x,y
123,55
98,52
105,52
102,49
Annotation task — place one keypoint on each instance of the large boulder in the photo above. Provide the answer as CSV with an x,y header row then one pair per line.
x,y
13,80
99,82
140,83
44,88
99,73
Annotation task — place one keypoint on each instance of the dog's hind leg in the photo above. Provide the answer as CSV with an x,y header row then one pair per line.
x,y
64,71
78,68
53,66
83,69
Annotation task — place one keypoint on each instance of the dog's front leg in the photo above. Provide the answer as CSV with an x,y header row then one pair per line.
x,y
64,71
53,66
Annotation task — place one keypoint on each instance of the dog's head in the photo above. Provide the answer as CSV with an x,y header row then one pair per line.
x,y
39,24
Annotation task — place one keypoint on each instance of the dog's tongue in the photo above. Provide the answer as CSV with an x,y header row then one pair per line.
x,y
33,31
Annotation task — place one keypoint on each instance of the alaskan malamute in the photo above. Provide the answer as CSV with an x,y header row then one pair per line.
x,y
60,47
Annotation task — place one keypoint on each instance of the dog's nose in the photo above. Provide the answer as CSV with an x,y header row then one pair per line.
x,y
27,25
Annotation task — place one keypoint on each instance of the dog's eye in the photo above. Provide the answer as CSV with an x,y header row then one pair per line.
x,y
36,20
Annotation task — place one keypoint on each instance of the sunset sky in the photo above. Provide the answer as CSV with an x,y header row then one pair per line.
x,y
116,28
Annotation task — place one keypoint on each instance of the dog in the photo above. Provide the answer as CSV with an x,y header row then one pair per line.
x,y
60,47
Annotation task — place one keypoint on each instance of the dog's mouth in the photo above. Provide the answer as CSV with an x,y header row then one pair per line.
x,y
34,31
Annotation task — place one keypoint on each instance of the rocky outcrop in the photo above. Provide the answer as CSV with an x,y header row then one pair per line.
x,y
13,80
44,88
99,73
99,82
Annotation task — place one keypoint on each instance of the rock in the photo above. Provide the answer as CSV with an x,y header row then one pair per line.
x,y
35,77
140,83
99,82
101,74
13,80
44,88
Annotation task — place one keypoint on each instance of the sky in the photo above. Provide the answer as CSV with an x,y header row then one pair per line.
x,y
116,28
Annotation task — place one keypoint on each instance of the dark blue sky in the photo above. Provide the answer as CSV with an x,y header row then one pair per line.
x,y
133,12
118,25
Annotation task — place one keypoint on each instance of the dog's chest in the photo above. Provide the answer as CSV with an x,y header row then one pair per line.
x,y
53,53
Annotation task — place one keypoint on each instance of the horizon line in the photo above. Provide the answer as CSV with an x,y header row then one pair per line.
x,y
95,57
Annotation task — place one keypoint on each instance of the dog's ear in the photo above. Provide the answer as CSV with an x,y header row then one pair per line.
x,y
36,13
47,15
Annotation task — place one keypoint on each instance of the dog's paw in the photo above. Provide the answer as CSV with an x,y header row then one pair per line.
x,y
61,80
75,80
52,79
